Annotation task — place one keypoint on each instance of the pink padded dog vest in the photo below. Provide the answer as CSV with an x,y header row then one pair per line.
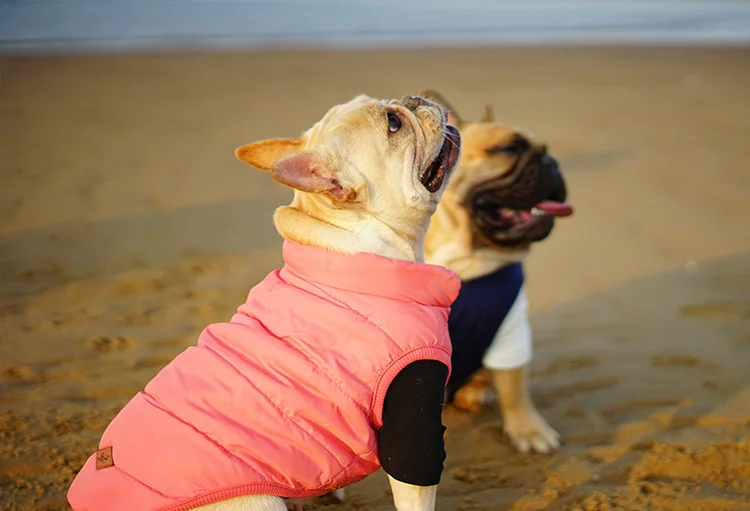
x,y
286,398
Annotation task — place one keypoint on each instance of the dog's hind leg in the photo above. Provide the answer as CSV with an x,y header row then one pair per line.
x,y
247,503
335,496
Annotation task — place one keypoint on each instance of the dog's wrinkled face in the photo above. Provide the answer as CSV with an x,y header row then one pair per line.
x,y
374,156
512,188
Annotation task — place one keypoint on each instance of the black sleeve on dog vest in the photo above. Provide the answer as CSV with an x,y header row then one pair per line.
x,y
411,445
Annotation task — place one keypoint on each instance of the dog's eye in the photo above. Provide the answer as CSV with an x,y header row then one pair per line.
x,y
394,123
512,149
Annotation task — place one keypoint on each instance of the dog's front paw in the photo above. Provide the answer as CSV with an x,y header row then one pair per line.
x,y
528,430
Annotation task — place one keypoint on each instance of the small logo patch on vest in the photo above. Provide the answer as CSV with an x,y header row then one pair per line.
x,y
104,458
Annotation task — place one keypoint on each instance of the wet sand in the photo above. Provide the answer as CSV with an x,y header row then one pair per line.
x,y
126,226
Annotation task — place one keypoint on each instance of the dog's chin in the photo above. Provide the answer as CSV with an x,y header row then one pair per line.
x,y
512,229
437,171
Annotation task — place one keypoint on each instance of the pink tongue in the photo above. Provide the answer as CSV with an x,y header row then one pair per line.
x,y
555,208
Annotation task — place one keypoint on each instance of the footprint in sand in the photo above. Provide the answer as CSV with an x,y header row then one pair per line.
x,y
173,341
626,408
145,316
680,360
110,344
717,311
149,362
563,365
138,285
14,309
52,271
486,477
20,373
204,265
581,387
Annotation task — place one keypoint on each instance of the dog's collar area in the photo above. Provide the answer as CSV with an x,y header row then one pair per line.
x,y
372,274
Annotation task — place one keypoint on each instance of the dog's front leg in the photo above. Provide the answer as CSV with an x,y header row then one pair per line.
x,y
524,425
411,441
508,358
408,497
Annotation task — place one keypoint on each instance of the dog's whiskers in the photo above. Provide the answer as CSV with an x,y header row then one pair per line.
x,y
449,138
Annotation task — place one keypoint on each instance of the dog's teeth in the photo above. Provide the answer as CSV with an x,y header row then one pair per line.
x,y
536,212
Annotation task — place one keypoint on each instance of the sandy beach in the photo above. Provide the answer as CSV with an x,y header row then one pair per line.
x,y
127,225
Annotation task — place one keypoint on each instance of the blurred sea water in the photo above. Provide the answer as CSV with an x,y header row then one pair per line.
x,y
106,25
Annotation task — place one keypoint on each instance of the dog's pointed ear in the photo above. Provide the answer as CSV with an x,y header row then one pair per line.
x,y
265,153
489,114
308,172
453,117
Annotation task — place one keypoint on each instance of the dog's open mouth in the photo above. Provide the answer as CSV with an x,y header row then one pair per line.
x,y
435,174
507,218
519,207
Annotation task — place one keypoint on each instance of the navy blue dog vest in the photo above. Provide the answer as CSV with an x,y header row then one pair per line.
x,y
476,316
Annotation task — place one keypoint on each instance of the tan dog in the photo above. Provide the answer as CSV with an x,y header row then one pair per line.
x,y
366,180
502,198
368,183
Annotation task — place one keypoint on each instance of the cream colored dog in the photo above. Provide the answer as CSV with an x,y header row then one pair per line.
x,y
369,181
502,198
